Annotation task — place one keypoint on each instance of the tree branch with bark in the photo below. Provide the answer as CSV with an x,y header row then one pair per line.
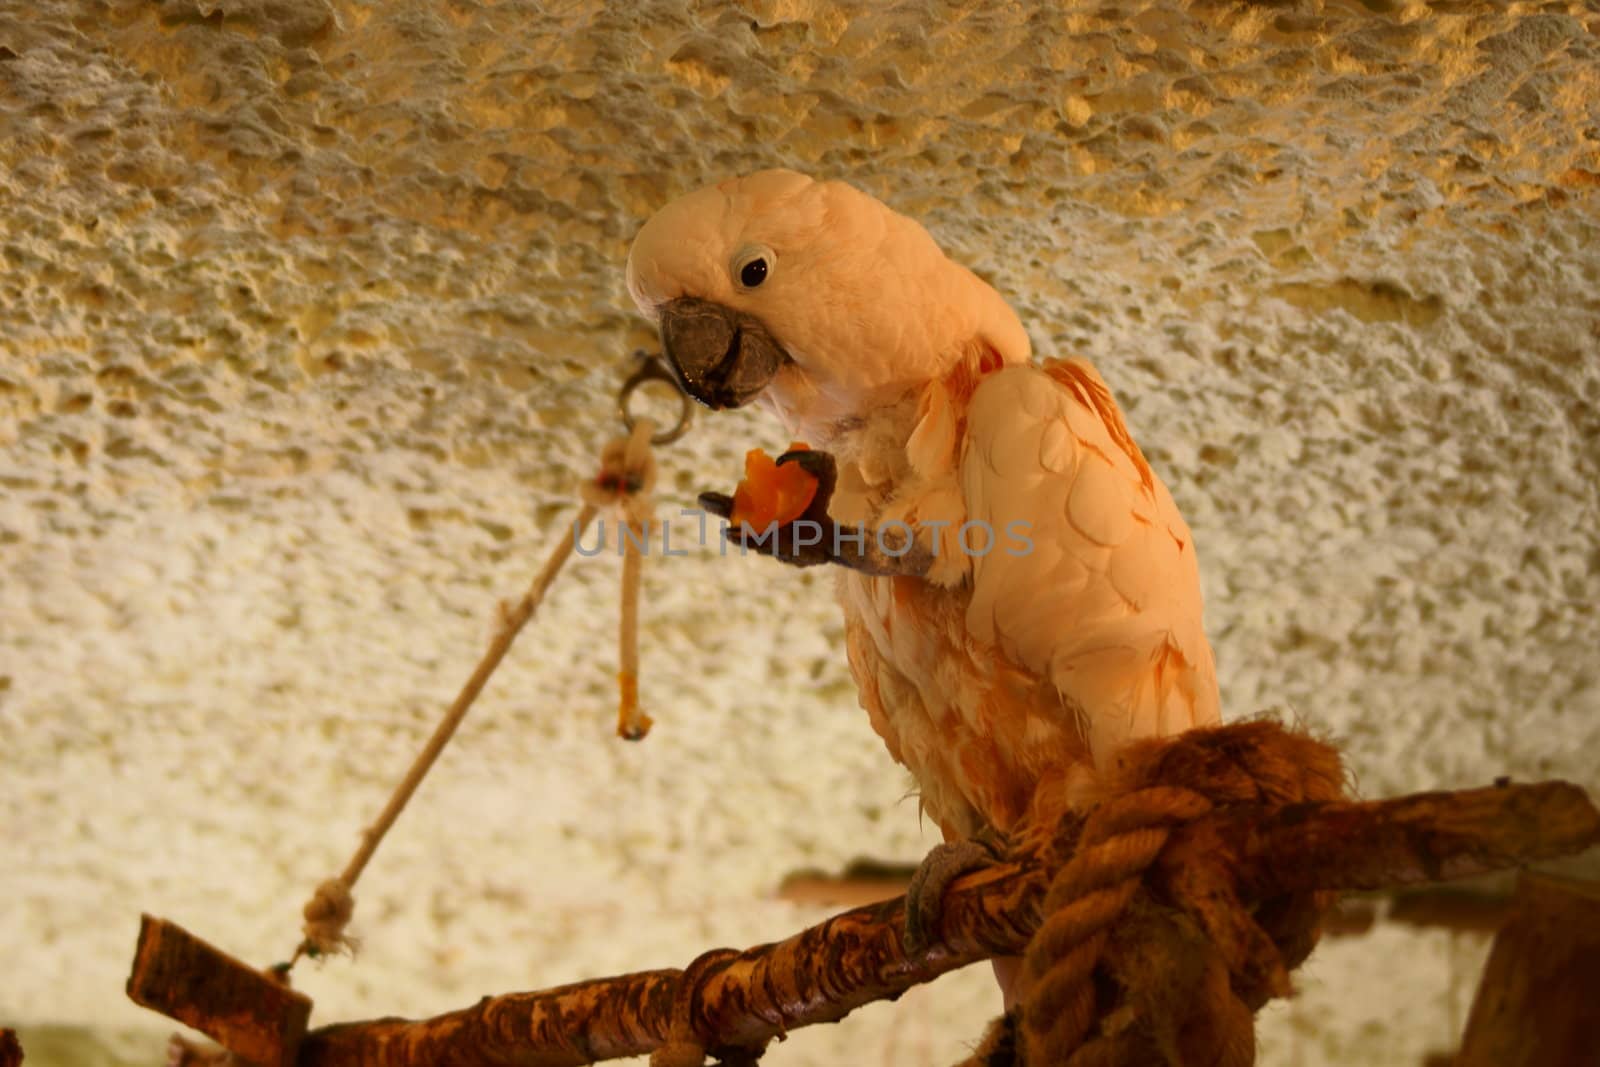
x,y
732,1003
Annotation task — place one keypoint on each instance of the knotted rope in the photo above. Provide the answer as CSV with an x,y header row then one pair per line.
x,y
625,480
1146,953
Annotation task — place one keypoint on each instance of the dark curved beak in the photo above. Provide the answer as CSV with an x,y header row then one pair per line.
x,y
721,357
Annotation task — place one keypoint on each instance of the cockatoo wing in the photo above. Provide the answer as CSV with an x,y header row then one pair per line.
x,y
1104,596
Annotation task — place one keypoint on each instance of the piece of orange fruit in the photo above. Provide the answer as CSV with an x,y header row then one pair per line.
x,y
770,493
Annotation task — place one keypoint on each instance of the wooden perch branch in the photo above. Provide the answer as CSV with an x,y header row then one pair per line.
x,y
742,1000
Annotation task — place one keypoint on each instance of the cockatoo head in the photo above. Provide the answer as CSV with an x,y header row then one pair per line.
x,y
812,296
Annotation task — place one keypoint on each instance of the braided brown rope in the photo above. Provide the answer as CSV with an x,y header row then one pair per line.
x,y
1120,840
1146,953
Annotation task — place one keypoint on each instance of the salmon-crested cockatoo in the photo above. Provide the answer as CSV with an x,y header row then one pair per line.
x,y
1047,609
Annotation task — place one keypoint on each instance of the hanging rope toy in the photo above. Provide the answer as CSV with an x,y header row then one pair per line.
x,y
625,481
255,1015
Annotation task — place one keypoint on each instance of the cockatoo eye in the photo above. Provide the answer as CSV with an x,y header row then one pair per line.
x,y
752,266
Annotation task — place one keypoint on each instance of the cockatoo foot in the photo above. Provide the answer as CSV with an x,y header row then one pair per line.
x,y
942,866
806,540
812,537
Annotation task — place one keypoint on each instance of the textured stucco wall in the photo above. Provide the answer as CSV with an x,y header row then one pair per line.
x,y
311,312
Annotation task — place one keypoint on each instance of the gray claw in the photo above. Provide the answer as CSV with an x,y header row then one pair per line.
x,y
925,895
718,504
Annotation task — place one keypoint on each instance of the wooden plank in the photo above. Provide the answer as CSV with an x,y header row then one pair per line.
x,y
250,1013
1536,1004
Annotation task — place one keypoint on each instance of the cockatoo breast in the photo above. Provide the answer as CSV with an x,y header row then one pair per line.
x,y
1065,622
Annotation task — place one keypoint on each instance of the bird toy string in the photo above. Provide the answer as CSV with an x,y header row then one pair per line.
x,y
625,481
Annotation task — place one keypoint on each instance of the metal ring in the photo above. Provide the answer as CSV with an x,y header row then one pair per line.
x,y
651,369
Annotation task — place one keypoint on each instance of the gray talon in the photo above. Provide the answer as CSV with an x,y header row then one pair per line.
x,y
943,865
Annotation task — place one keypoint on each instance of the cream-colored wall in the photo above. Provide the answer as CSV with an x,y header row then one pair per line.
x,y
311,312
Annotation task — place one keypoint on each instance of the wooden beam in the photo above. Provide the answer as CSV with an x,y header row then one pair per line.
x,y
249,1012
1538,1003
1468,910
10,1049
